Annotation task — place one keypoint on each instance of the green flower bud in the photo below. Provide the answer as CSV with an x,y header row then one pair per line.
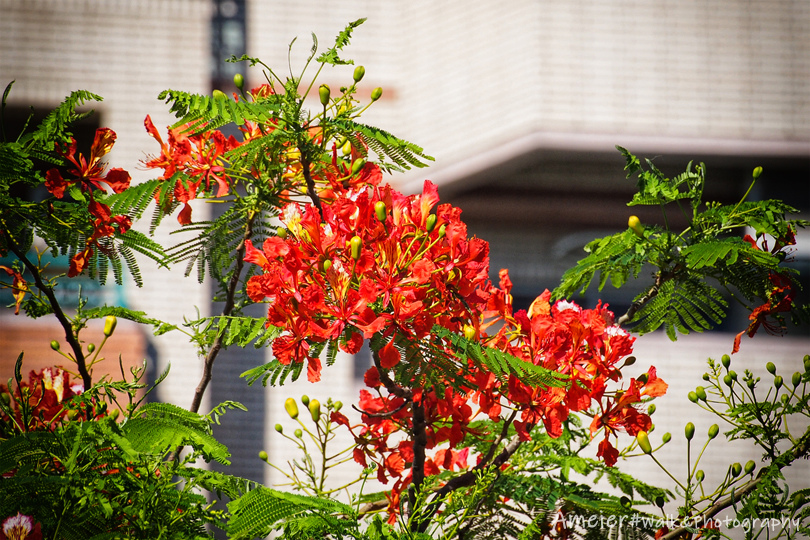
x,y
357,165
337,405
109,325
651,409
315,410
644,442
726,360
750,466
689,431
380,211
91,347
239,81
430,223
281,232
713,431
442,230
323,94
732,374
279,428
291,407
706,377
700,475
359,72
298,433
736,469
263,455
693,397
55,345
777,382
757,172
796,379
771,368
701,393
667,437
305,400
807,363
356,244
727,380
659,501
346,148
114,414
326,265
219,94
376,94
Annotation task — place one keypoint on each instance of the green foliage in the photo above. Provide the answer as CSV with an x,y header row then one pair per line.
x,y
696,269
65,225
264,510
100,479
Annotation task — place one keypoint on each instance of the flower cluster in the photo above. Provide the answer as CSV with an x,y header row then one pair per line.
x,y
376,262
199,157
89,176
583,344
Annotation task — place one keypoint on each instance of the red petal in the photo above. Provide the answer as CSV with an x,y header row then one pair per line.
x,y
389,355
118,179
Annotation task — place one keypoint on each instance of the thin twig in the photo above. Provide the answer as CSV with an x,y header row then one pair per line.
x,y
798,451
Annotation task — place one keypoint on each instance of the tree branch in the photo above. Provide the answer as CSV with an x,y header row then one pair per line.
x,y
47,290
661,278
311,184
230,302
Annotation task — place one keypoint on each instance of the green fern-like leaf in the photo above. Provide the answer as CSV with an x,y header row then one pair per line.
x,y
261,510
331,56
54,128
614,258
681,306
402,154
162,427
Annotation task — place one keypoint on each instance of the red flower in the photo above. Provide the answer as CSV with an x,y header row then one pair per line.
x,y
89,174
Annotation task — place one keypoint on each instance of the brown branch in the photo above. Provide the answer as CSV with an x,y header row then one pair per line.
x,y
468,478
391,386
660,279
381,415
230,302
47,290
419,436
311,184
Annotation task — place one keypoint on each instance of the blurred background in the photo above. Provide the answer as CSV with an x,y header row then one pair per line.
x,y
521,103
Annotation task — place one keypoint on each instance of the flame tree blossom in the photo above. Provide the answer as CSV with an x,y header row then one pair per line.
x,y
90,177
379,265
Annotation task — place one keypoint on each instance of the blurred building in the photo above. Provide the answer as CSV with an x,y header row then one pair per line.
x,y
520,103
